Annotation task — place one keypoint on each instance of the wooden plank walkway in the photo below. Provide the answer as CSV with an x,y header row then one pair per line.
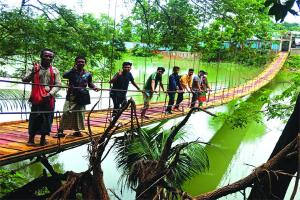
x,y
13,135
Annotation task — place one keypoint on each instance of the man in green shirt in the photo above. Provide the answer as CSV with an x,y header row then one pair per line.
x,y
150,87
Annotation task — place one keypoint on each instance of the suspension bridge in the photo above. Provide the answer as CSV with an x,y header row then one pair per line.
x,y
14,134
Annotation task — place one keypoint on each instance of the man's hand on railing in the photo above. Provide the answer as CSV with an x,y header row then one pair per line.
x,y
142,91
96,89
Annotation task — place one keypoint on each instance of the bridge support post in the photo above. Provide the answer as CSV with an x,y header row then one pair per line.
x,y
222,96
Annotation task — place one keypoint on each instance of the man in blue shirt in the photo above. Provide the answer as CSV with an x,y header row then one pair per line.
x,y
120,86
173,87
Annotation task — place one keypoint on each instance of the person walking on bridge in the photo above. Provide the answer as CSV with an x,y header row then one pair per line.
x,y
46,83
174,87
77,98
204,88
120,86
196,89
186,82
199,88
150,88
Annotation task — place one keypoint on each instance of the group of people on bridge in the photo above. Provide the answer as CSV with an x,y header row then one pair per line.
x,y
46,82
197,85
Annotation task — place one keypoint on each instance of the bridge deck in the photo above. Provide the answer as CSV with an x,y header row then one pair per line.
x,y
13,135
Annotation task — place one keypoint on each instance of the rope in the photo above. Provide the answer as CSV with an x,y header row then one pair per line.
x,y
218,66
95,82
108,115
170,59
66,87
24,91
58,116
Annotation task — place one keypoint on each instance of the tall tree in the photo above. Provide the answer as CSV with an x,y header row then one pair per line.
x,y
26,32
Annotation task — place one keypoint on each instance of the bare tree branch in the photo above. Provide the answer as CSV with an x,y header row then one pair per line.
x,y
168,144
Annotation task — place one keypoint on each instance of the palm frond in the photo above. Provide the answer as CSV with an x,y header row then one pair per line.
x,y
136,151
12,99
142,145
187,160
156,129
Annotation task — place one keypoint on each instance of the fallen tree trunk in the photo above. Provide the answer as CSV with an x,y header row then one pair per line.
x,y
262,171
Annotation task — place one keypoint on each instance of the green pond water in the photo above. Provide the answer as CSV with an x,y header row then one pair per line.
x,y
230,149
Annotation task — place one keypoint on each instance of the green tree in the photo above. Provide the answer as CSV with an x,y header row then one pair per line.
x,y
171,24
177,25
128,31
25,32
10,181
240,20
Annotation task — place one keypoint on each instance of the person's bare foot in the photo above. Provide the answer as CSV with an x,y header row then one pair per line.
x,y
77,134
177,109
59,135
29,143
43,140
145,117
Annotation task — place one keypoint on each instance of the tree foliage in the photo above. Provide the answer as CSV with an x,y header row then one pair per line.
x,y
25,32
204,25
171,24
236,22
281,8
10,181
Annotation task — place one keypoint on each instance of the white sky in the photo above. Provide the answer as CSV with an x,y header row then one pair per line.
x,y
123,7
291,18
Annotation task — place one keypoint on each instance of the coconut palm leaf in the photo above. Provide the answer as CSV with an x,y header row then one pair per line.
x,y
144,148
156,129
11,99
187,160
137,147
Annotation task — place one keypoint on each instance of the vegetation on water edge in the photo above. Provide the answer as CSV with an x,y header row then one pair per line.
x,y
279,105
293,62
10,181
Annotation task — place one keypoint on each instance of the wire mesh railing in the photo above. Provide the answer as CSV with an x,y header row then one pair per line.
x,y
218,89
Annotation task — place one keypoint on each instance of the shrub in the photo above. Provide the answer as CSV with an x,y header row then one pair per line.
x,y
293,61
119,45
141,51
10,181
